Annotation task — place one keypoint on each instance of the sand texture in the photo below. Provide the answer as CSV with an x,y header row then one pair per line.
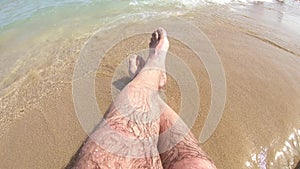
x,y
262,72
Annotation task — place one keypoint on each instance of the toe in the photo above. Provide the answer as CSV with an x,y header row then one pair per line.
x,y
154,39
133,62
158,40
140,62
132,58
132,65
162,33
155,35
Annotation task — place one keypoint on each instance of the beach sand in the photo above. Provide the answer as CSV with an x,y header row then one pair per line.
x,y
262,103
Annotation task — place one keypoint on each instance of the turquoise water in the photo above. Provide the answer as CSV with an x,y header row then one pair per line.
x,y
12,12
23,19
24,25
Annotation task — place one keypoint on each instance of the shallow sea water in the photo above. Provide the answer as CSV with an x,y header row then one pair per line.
x,y
25,25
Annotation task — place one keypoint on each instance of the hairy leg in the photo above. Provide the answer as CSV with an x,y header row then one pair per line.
x,y
121,141
178,147
128,135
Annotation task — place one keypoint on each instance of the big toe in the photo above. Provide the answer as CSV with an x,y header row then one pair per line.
x,y
154,39
132,64
161,33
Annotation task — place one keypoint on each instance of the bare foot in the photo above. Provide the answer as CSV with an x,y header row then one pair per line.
x,y
159,46
154,72
136,63
127,137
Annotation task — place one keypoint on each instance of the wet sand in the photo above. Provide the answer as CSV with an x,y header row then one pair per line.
x,y
262,106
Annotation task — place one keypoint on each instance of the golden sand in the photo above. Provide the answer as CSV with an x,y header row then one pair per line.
x,y
261,111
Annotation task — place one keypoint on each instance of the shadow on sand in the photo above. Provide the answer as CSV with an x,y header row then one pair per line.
x,y
119,84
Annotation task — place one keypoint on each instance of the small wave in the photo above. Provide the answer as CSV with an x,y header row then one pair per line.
x,y
138,16
177,3
14,11
277,155
190,3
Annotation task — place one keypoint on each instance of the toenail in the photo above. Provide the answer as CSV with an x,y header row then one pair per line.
x,y
156,35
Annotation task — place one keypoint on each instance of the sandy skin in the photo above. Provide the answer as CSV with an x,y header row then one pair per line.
x,y
129,135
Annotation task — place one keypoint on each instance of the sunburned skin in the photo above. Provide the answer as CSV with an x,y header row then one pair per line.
x,y
129,135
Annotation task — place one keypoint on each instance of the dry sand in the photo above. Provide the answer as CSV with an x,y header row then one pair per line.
x,y
261,111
